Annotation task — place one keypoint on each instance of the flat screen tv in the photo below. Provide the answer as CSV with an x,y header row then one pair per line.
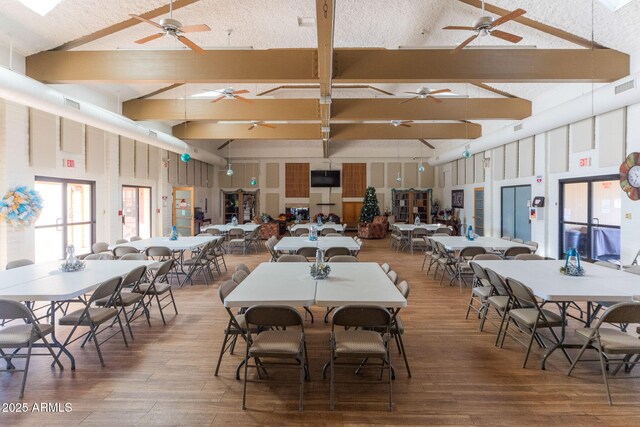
x,y
325,178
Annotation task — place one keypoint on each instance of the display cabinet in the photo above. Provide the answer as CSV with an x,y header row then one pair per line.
x,y
407,204
243,204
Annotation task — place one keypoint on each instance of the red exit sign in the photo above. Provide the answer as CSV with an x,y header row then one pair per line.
x,y
69,163
584,162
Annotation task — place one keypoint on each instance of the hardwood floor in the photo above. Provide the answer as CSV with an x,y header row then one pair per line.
x,y
165,377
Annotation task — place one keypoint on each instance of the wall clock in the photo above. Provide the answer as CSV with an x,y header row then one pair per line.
x,y
630,176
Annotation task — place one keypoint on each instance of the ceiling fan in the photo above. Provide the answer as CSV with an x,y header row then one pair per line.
x,y
426,93
425,142
485,26
255,124
404,123
229,93
172,27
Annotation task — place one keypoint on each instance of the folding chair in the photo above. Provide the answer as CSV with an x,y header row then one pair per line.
x,y
118,251
199,264
336,251
156,288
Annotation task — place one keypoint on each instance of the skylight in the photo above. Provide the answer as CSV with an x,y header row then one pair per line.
x,y
614,5
41,7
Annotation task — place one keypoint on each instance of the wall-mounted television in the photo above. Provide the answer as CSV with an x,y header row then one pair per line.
x,y
325,178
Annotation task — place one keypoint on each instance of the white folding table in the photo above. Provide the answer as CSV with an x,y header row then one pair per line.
x,y
180,245
338,227
45,282
294,243
224,228
456,243
407,233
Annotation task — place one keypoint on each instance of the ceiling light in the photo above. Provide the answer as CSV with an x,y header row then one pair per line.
x,y
306,21
41,7
614,5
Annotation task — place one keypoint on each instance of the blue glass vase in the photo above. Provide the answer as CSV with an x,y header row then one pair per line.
x,y
174,233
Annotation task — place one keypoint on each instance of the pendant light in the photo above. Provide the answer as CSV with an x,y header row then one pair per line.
x,y
229,170
185,157
421,166
399,178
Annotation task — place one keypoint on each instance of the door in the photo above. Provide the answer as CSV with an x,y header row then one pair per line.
x,y
136,212
590,213
183,210
351,213
67,218
478,211
515,212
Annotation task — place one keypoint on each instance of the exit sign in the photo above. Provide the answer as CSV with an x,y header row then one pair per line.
x,y
69,163
584,162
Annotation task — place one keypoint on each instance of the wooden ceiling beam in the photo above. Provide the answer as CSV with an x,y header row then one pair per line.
x,y
350,66
342,131
325,22
494,90
177,4
556,32
342,109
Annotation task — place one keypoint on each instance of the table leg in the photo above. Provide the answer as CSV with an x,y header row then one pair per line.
x,y
560,345
54,339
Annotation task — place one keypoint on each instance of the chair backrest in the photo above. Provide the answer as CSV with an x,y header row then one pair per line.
x,y
385,267
404,289
328,230
516,250
624,312
393,276
478,271
515,240
443,231
158,251
214,231
307,251
487,257
98,257
120,241
471,251
506,238
529,257
134,257
336,251
13,310
164,269
98,247
275,316
291,258
300,231
436,234
497,282
343,258
134,276
533,244
239,276
607,264
108,288
236,233
242,267
118,251
521,293
366,316
333,235
418,233
135,238
18,263
225,289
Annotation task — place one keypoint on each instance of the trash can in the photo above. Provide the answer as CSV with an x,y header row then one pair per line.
x,y
571,239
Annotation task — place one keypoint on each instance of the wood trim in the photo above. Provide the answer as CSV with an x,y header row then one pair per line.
x,y
296,179
354,179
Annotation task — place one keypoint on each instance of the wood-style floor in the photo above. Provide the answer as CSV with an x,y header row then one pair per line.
x,y
165,377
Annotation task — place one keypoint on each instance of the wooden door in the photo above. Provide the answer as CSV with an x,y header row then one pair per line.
x,y
351,213
183,210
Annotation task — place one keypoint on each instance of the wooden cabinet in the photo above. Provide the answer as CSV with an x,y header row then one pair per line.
x,y
351,213
407,204
243,205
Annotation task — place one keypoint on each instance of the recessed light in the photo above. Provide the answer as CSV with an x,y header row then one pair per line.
x,y
41,7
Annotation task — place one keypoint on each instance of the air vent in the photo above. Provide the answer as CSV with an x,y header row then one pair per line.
x,y
517,127
71,103
623,87
153,134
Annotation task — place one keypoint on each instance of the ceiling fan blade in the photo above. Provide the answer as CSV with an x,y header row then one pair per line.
x,y
243,99
225,144
267,125
237,92
505,36
406,121
434,99
253,125
457,27
405,125
148,21
464,43
191,45
425,142
195,28
410,99
218,99
149,38
439,91
508,17
413,93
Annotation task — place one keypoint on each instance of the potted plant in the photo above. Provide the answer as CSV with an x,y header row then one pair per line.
x,y
265,217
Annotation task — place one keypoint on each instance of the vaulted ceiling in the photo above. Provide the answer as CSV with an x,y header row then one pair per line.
x,y
285,66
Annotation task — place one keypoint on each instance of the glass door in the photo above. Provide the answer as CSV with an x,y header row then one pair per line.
x,y
515,212
478,211
67,218
183,210
590,215
136,212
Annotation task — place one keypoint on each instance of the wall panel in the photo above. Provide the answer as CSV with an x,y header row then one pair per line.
x,y
127,157
71,136
462,169
558,152
393,168
273,175
581,135
155,163
354,179
377,175
427,178
411,175
469,170
42,139
497,163
142,160
191,172
610,136
454,172
198,173
296,180
478,159
173,167
94,154
273,204
182,172
526,157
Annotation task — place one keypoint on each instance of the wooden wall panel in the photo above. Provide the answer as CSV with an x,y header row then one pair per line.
x,y
71,136
239,178
377,174
42,139
558,151
296,178
410,175
94,154
273,175
127,157
392,173
155,163
610,131
273,204
142,160
354,179
173,167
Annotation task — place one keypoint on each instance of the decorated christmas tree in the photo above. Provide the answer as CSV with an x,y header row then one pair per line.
x,y
370,206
